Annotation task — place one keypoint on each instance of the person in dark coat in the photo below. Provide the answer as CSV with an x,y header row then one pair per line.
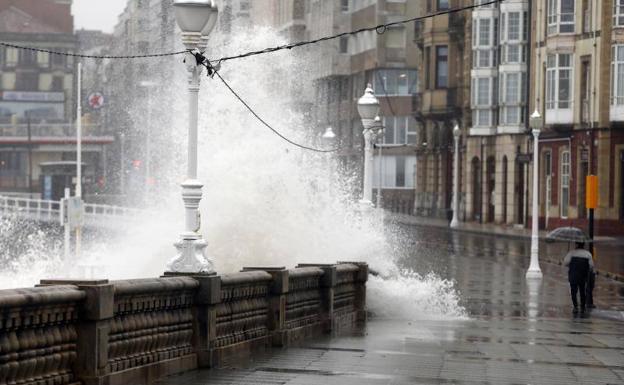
x,y
579,263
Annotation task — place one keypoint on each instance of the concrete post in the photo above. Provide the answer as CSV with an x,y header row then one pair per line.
x,y
93,330
328,283
455,220
205,328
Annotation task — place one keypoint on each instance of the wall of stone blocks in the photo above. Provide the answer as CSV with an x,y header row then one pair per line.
x,y
105,332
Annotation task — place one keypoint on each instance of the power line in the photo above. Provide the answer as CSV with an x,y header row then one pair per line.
x,y
380,29
213,71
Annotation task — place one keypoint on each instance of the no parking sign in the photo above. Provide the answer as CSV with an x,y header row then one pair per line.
x,y
96,100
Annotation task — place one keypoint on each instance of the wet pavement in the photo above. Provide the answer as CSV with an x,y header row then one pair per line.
x,y
517,333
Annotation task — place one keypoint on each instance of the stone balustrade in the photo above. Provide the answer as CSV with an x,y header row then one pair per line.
x,y
136,331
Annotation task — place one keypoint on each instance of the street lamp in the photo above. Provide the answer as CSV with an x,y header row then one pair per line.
x,y
456,136
329,134
368,108
196,19
534,268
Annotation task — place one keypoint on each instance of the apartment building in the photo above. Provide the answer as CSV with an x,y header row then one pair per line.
x,y
389,61
442,103
579,78
497,144
37,102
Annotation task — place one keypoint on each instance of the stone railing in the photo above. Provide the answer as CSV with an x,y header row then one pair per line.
x,y
136,331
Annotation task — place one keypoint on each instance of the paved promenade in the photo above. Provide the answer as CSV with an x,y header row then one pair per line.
x,y
516,334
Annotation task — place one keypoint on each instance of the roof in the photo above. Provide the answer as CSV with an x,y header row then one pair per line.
x,y
36,16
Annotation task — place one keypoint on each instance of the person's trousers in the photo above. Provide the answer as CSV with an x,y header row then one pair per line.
x,y
578,287
591,282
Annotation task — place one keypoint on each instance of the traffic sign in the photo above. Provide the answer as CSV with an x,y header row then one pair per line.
x,y
96,100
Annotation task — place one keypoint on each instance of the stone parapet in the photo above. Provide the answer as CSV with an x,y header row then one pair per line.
x,y
136,331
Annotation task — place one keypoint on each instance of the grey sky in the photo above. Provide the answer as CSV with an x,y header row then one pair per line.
x,y
97,14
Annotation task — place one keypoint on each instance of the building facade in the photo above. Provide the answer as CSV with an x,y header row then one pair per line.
x,y
443,102
38,102
579,78
497,145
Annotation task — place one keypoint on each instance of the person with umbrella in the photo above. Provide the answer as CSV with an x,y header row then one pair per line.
x,y
578,261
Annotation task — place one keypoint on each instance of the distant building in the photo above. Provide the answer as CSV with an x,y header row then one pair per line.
x,y
38,99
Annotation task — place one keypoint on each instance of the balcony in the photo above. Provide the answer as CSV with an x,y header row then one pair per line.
x,y
438,104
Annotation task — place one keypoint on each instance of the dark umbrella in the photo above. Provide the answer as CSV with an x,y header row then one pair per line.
x,y
567,234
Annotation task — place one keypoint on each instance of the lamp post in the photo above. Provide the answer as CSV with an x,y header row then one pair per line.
x,y
534,268
379,130
456,136
196,19
368,108
329,137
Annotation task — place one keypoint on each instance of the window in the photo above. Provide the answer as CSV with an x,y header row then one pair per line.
x,y
344,44
513,26
344,5
482,100
427,68
565,183
443,5
400,130
560,16
484,32
57,83
12,163
27,57
512,95
12,56
559,81
396,171
43,59
27,81
397,82
58,60
395,38
548,173
617,75
483,42
441,66
618,13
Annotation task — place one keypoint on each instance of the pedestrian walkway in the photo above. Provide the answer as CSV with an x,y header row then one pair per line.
x,y
609,250
516,333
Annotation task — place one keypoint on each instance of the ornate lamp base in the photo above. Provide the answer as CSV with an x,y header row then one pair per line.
x,y
366,205
191,258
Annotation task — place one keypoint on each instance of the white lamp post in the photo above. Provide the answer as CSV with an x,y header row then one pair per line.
x,y
534,268
368,107
196,19
456,136
378,132
329,134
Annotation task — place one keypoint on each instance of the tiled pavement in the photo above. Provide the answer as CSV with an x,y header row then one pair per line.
x,y
518,333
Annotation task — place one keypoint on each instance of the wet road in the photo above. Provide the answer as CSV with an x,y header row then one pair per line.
x,y
518,333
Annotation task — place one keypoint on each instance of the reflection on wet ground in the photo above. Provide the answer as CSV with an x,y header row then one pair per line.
x,y
519,332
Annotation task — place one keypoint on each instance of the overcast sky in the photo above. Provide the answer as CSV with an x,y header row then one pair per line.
x,y
97,14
